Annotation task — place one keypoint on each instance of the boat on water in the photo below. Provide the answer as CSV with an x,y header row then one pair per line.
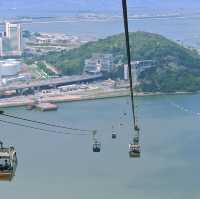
x,y
8,162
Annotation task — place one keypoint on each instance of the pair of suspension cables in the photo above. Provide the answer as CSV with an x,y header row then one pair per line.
x,y
73,131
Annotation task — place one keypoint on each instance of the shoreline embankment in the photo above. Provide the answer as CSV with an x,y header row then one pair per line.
x,y
19,101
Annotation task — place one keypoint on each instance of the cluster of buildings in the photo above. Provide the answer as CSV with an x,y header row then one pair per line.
x,y
56,39
99,63
11,41
39,43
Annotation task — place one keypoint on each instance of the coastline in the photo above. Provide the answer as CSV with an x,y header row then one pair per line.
x,y
22,101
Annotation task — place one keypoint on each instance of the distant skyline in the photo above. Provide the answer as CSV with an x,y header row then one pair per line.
x,y
23,7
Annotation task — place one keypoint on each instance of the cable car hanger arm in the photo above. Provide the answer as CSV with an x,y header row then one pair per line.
x,y
126,28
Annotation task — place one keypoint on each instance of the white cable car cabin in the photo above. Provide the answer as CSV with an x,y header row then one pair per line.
x,y
134,150
8,163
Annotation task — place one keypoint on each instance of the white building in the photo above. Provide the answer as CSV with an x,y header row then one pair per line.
x,y
1,46
9,67
99,63
134,73
126,75
137,68
92,66
11,42
105,60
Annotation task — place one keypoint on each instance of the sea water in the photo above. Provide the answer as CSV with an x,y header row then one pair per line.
x,y
64,166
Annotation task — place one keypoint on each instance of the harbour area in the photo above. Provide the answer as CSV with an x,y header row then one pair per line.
x,y
64,94
69,93
73,93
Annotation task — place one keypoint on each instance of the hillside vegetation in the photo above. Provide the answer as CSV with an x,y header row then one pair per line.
x,y
176,67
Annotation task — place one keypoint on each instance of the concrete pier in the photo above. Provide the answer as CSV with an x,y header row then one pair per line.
x,y
46,107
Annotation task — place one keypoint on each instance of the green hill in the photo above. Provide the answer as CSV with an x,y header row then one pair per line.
x,y
176,67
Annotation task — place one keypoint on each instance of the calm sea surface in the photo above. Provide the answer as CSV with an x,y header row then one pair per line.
x,y
58,166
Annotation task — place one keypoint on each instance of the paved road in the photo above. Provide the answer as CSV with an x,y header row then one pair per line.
x,y
50,83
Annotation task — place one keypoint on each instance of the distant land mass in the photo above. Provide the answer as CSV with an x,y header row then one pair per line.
x,y
176,68
92,5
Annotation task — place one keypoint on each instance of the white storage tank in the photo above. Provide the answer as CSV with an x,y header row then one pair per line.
x,y
9,67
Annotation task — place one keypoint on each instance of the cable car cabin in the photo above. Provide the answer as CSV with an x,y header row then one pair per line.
x,y
96,147
114,135
8,163
134,150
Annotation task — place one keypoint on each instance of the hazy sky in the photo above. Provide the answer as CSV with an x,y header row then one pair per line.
x,y
96,4
12,8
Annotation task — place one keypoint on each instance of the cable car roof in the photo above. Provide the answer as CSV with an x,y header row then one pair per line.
x,y
134,145
6,152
